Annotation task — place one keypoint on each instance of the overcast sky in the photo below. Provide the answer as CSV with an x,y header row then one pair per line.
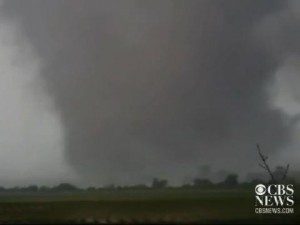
x,y
100,92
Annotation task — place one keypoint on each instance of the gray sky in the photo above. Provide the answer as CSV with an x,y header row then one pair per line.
x,y
98,92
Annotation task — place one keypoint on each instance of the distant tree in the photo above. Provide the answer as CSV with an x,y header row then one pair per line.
x,y
202,182
139,186
16,189
279,172
91,189
65,187
221,174
110,186
159,183
231,180
280,175
31,188
44,189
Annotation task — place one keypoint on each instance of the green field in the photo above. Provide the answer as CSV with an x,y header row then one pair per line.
x,y
178,206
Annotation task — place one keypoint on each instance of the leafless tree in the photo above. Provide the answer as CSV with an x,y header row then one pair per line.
x,y
266,167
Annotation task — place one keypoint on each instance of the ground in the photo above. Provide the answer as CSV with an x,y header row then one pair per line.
x,y
171,205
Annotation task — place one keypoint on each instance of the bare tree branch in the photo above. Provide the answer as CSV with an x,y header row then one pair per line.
x,y
286,171
262,166
265,165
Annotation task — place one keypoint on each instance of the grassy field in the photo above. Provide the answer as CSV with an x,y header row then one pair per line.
x,y
178,206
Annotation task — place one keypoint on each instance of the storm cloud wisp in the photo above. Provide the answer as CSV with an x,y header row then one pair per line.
x,y
148,88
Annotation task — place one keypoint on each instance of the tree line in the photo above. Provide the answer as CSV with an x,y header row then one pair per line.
x,y
230,181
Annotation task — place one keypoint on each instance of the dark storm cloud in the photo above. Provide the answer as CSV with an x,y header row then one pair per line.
x,y
155,88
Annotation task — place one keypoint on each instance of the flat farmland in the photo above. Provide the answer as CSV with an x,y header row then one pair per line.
x,y
170,205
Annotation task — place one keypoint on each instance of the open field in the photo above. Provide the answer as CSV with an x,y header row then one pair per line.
x,y
183,206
